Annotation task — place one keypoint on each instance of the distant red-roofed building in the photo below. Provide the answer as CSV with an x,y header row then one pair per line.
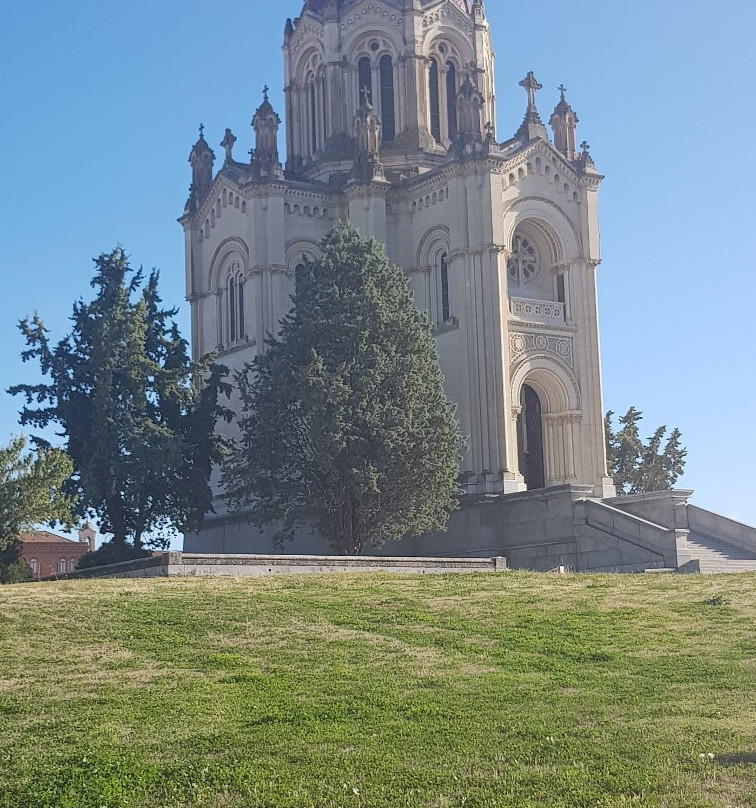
x,y
50,554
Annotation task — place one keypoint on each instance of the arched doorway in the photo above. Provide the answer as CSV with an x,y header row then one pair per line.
x,y
530,439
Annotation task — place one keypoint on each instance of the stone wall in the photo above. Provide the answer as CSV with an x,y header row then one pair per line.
x,y
189,565
535,530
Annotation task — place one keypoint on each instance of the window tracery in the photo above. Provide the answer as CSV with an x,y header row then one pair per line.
x,y
523,264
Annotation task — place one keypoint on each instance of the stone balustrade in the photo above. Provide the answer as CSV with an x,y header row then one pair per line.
x,y
531,310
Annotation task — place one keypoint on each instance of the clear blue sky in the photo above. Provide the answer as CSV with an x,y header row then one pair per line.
x,y
100,103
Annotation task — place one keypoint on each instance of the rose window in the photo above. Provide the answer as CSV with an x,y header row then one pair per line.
x,y
523,263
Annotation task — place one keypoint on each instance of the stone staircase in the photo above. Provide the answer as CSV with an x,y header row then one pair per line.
x,y
716,556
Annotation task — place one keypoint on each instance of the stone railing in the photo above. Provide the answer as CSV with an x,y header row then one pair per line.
x,y
537,311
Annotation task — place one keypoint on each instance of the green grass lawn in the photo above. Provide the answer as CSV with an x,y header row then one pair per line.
x,y
512,690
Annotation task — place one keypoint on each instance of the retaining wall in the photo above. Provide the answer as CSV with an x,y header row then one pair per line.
x,y
189,565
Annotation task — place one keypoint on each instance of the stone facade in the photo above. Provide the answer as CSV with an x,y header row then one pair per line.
x,y
390,107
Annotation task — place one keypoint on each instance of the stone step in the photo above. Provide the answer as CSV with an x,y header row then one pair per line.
x,y
716,557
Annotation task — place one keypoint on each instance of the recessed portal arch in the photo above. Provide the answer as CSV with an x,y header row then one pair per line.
x,y
547,423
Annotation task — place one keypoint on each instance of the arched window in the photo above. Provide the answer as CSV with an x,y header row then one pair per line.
x,y
388,116
34,564
451,98
444,281
435,105
62,566
313,119
236,325
364,80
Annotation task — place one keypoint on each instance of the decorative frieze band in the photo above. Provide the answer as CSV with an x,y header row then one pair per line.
x,y
537,311
522,344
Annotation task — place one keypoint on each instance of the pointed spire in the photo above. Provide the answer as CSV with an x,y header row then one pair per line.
x,y
532,126
367,137
265,160
564,123
202,159
585,161
470,104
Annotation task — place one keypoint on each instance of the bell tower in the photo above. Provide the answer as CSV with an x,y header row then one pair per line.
x,y
408,59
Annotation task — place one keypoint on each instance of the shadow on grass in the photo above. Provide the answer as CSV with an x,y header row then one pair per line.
x,y
738,759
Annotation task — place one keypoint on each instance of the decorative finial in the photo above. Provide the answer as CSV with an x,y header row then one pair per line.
x,y
202,131
266,90
364,96
531,85
562,89
585,148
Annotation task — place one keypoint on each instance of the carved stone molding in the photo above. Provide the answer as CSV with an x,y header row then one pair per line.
x,y
537,311
523,344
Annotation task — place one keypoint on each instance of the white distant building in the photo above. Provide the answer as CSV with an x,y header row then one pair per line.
x,y
390,112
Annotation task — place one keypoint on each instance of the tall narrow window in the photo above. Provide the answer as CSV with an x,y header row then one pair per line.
x,y
435,106
299,274
313,120
240,295
365,80
232,331
34,564
388,116
62,566
451,98
445,312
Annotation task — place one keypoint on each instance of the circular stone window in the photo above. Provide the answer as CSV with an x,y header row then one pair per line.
x,y
522,266
375,45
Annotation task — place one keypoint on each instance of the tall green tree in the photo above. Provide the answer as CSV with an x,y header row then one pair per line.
x,y
345,426
137,415
31,493
639,467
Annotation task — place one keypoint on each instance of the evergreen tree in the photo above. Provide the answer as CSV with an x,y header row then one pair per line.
x,y
638,467
345,426
31,492
137,415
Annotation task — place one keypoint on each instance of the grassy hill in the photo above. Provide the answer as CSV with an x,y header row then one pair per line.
x,y
478,691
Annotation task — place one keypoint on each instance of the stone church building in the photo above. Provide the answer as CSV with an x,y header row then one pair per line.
x,y
390,124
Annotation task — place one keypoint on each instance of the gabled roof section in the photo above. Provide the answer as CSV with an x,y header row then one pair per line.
x,y
44,537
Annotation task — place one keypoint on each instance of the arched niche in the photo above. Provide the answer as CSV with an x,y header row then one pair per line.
x,y
227,251
542,243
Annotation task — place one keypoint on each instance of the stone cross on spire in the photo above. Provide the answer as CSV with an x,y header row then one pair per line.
x,y
532,86
532,126
266,90
228,145
562,90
